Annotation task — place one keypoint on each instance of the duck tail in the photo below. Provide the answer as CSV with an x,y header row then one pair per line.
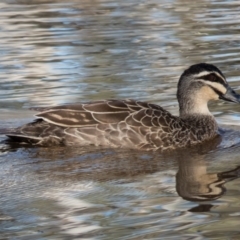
x,y
4,131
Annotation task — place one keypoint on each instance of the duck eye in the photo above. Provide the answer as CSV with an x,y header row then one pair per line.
x,y
211,77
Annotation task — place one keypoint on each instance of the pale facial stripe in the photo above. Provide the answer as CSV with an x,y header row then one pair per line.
x,y
215,85
204,73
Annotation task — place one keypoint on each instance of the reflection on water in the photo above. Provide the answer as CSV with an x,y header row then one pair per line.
x,y
116,193
194,183
54,52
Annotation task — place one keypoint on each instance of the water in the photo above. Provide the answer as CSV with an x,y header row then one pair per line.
x,y
54,52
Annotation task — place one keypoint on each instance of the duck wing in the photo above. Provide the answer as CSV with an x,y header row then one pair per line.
x,y
135,113
126,123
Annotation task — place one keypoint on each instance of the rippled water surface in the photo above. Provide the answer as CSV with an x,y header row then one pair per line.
x,y
55,52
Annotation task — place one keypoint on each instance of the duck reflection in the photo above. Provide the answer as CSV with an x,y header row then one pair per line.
x,y
193,180
195,183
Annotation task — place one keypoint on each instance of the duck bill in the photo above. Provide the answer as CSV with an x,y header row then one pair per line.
x,y
231,96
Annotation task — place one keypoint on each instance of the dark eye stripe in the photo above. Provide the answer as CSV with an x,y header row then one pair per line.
x,y
213,78
216,91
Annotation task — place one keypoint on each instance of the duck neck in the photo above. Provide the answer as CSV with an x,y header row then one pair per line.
x,y
193,106
197,114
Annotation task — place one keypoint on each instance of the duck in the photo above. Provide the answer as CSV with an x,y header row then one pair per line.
x,y
134,124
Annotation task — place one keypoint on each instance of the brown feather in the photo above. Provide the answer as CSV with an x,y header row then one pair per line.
x,y
113,123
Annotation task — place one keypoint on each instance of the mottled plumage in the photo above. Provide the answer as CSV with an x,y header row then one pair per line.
x,y
134,124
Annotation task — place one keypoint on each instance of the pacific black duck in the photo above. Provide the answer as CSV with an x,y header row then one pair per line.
x,y
134,124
